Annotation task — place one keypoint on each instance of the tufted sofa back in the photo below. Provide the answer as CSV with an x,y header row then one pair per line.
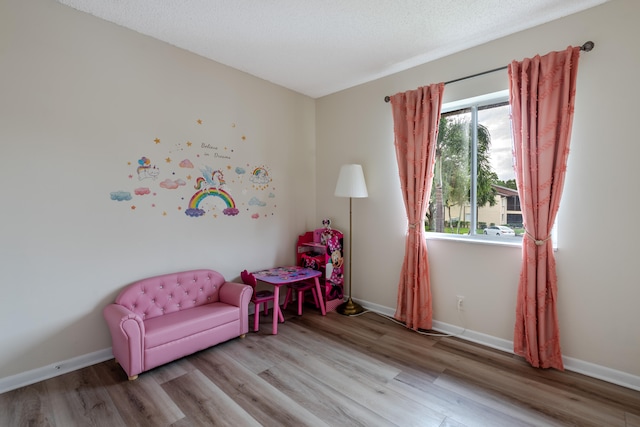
x,y
168,293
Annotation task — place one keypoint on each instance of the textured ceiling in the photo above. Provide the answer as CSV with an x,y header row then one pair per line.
x,y
318,47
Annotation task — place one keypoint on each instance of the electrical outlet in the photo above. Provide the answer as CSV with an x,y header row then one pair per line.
x,y
459,298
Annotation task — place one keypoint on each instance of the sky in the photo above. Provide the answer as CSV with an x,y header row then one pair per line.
x,y
499,124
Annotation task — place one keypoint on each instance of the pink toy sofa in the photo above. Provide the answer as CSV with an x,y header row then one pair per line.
x,y
160,319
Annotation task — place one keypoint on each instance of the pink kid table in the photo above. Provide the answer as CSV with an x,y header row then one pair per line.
x,y
281,276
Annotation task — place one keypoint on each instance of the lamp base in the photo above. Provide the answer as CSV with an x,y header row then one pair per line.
x,y
350,308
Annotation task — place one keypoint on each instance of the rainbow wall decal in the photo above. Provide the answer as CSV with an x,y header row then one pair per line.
x,y
194,204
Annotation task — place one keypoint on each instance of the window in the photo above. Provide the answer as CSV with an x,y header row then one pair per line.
x,y
474,190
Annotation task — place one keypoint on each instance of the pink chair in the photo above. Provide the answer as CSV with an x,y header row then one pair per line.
x,y
300,288
259,297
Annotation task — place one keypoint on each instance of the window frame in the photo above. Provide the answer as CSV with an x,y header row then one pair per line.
x,y
474,103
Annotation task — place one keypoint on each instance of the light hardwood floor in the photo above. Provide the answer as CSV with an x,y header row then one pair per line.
x,y
327,371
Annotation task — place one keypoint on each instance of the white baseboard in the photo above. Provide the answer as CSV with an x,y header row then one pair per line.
x,y
473,336
603,373
44,373
576,365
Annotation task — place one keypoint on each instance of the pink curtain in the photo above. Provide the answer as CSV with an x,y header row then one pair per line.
x,y
415,116
542,91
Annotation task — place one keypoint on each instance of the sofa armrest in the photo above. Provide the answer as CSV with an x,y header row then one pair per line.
x,y
127,337
236,294
239,295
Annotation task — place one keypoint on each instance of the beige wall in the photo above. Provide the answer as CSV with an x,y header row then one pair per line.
x,y
79,98
598,282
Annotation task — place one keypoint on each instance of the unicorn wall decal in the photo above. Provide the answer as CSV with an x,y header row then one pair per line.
x,y
145,170
210,178
210,184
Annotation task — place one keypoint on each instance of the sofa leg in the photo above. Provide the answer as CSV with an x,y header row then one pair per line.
x,y
243,335
133,377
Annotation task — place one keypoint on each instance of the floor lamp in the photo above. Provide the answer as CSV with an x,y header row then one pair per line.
x,y
350,184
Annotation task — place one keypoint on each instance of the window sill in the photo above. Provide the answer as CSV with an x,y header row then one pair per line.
x,y
515,242
508,241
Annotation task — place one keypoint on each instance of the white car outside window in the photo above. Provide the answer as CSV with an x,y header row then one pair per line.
x,y
499,230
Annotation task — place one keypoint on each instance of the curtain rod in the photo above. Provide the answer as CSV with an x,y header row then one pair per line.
x,y
586,47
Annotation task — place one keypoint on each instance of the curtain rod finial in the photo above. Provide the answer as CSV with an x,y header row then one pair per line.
x,y
588,46
387,98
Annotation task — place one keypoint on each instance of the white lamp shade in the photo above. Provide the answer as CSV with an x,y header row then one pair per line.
x,y
351,182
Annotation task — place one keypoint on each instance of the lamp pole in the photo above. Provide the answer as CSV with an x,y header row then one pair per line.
x,y
351,184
